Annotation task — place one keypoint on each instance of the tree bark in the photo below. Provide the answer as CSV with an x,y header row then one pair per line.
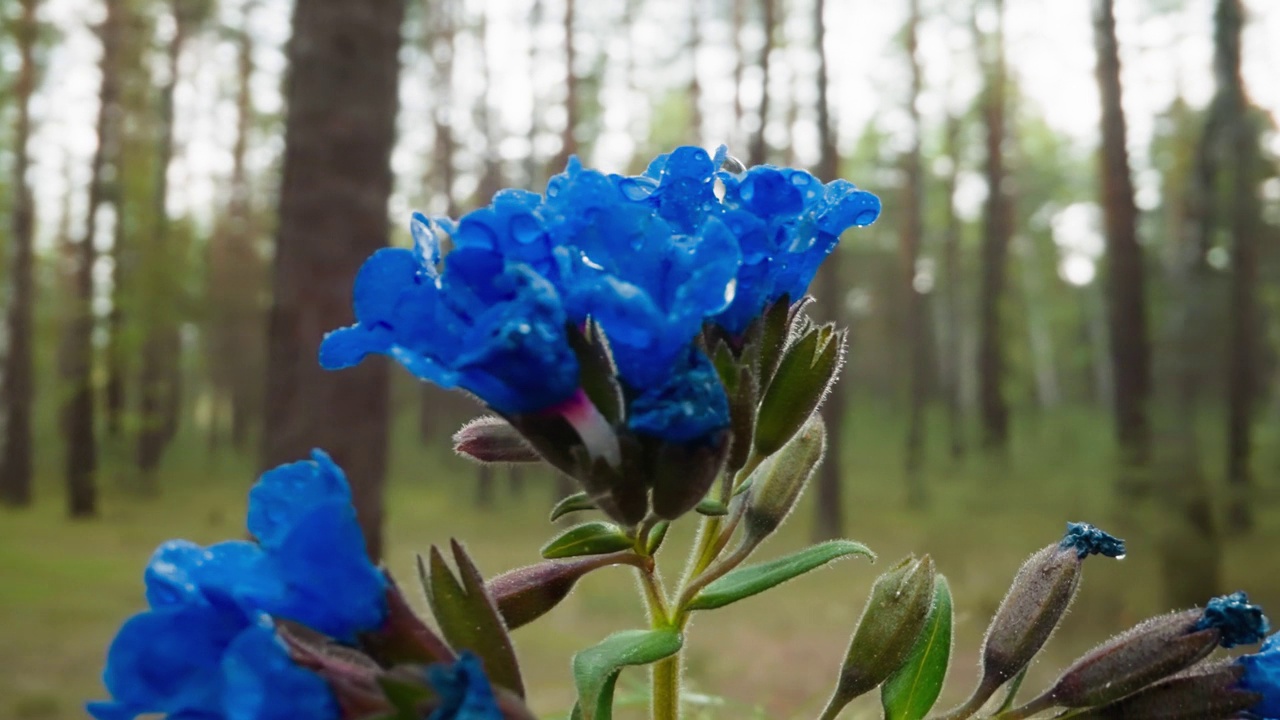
x,y
953,292
1240,143
829,509
995,251
18,389
339,131
758,152
911,235
78,411
1125,277
736,21
695,89
440,46
568,136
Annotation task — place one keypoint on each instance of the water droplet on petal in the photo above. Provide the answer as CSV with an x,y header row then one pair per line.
x,y
719,189
637,188
866,217
730,291
1121,556
733,165
525,229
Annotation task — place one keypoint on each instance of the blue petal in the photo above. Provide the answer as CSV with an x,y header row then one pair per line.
x,y
263,683
168,660
689,407
183,573
330,584
1262,675
288,493
465,692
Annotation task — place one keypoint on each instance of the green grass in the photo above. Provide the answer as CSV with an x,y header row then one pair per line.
x,y
65,586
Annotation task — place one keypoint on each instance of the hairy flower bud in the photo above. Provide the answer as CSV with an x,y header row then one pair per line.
x,y
490,439
1036,602
527,593
1152,651
779,481
895,614
1211,692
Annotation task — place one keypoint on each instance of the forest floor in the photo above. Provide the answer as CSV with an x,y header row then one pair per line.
x,y
66,586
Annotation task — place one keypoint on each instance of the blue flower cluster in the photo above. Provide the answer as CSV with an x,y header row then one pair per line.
x,y
1262,675
651,259
1239,621
207,647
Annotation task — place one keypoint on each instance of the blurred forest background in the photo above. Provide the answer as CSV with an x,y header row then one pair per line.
x,y
1070,309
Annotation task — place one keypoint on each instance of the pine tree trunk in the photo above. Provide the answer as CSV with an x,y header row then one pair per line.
x,y
568,137
995,251
912,232
758,153
78,411
695,89
340,128
17,390
829,518
952,293
1241,144
1125,279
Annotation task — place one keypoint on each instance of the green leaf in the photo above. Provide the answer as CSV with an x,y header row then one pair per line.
x,y
596,669
593,538
657,535
469,618
753,579
910,693
712,508
405,695
573,503
805,373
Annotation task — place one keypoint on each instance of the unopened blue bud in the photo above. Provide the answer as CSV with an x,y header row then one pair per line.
x,y
1089,540
1239,621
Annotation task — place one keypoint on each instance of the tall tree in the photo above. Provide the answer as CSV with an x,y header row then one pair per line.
x,y
996,233
829,518
237,272
572,111
952,294
78,411
1240,143
758,151
1126,276
736,21
911,235
17,390
695,89
159,381
340,127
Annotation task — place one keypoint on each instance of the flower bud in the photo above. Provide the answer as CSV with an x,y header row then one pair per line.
x,y
490,439
894,616
1037,600
1211,692
404,637
806,372
1151,651
526,594
779,481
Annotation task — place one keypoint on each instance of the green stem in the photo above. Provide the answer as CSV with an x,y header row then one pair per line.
x,y
666,689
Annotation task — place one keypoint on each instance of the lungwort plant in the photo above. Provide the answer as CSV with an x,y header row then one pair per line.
x,y
646,336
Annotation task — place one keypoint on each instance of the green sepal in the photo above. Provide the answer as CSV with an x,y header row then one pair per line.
x,y
775,326
656,536
754,579
805,373
910,693
404,694
596,669
468,617
596,373
712,507
573,503
593,538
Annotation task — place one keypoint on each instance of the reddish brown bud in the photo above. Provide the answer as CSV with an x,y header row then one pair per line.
x,y
493,440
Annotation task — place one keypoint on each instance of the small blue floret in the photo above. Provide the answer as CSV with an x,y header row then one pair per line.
x,y
1240,622
465,692
1088,540
691,405
1262,675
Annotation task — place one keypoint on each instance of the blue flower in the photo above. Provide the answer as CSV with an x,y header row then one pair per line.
x,y
689,406
207,649
1239,621
786,223
1262,675
486,324
465,692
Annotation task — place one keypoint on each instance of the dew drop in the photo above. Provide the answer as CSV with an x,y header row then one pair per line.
x,y
719,189
638,188
733,165
866,217
1121,556
525,229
